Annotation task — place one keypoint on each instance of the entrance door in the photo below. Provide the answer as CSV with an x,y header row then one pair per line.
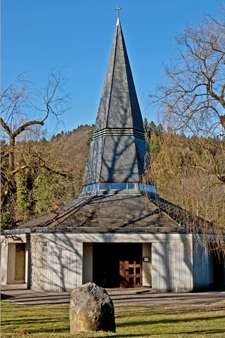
x,y
131,273
20,263
117,265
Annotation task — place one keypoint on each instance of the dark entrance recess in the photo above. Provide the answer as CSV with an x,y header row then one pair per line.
x,y
217,267
117,265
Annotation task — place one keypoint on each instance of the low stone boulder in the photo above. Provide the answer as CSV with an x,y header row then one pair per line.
x,y
91,309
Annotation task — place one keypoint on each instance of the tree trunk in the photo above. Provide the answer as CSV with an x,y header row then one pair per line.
x,y
222,120
11,155
9,184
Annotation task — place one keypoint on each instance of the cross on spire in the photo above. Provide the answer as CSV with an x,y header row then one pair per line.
x,y
118,9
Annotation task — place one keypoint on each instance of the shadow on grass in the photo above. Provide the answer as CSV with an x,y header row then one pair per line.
x,y
200,332
4,297
23,320
122,335
167,321
168,311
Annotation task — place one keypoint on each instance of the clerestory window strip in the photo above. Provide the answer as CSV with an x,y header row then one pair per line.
x,y
106,186
119,132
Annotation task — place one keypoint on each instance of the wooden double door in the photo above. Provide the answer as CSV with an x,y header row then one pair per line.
x,y
117,264
130,273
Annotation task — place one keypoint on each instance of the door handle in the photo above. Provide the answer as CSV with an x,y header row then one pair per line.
x,y
126,269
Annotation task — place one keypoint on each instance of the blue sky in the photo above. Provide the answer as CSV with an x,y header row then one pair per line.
x,y
40,35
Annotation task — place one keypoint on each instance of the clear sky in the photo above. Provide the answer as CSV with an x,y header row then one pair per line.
x,y
40,35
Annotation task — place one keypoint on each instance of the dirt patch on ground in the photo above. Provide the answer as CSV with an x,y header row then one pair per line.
x,y
21,332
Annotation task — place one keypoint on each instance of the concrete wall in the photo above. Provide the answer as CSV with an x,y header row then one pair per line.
x,y
4,260
147,266
36,271
201,273
62,261
211,269
172,264
67,259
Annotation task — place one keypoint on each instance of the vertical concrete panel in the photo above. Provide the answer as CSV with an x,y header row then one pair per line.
x,y
147,266
165,275
155,267
205,268
159,261
211,269
168,267
62,263
79,248
70,272
36,262
177,265
4,261
183,273
52,258
201,271
172,265
87,262
52,278
47,263
181,266
174,269
188,260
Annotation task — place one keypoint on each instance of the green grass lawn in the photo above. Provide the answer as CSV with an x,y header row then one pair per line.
x,y
140,321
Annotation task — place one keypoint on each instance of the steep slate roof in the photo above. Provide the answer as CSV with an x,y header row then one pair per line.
x,y
119,107
117,152
108,211
118,213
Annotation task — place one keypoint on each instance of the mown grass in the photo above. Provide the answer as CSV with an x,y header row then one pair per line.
x,y
140,321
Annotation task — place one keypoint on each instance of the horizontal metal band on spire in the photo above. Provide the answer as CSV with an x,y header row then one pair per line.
x,y
125,187
119,132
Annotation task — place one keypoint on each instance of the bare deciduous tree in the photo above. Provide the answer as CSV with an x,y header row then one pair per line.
x,y
192,96
23,110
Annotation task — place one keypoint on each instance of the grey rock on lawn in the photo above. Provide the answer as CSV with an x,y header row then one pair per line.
x,y
91,309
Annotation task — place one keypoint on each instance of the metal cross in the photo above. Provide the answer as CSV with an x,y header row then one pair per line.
x,y
117,9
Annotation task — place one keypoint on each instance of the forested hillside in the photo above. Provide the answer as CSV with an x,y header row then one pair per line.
x,y
189,171
53,178
182,169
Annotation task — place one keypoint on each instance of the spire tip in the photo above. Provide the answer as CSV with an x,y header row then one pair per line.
x,y
118,9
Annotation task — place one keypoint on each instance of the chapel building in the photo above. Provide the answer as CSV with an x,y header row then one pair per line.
x,y
119,232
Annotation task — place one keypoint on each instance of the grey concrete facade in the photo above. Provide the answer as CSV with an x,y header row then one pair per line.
x,y
60,262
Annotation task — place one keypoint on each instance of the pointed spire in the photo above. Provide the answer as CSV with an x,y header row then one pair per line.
x,y
117,152
119,107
